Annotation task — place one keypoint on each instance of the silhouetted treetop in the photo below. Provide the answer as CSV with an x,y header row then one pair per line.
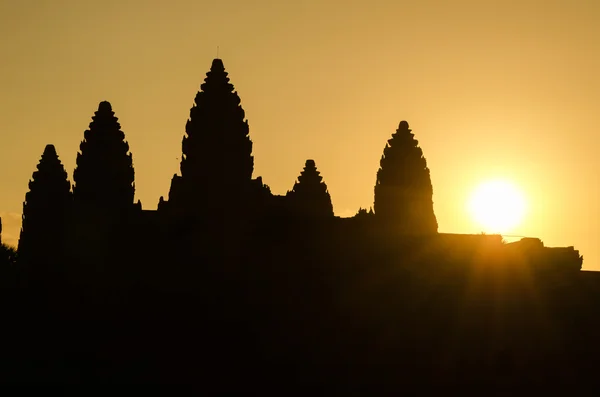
x,y
45,208
8,256
217,146
403,191
104,174
364,214
309,195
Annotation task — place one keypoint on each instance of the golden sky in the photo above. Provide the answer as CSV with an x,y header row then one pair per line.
x,y
492,89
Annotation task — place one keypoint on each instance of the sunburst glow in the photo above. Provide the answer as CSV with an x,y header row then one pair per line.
x,y
497,206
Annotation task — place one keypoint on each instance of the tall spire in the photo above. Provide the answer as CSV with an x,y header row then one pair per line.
x,y
217,144
403,191
309,197
217,150
104,176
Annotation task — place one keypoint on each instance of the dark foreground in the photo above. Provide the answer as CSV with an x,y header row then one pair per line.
x,y
310,323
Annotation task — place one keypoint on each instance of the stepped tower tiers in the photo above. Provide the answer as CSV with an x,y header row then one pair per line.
x,y
217,161
45,211
104,176
309,198
403,191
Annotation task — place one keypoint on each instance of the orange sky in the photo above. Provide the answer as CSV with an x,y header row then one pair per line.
x,y
507,89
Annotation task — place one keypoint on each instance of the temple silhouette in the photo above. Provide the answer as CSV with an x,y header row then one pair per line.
x,y
232,287
214,193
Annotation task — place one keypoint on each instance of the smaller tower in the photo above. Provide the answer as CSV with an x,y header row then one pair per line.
x,y
45,212
309,197
104,176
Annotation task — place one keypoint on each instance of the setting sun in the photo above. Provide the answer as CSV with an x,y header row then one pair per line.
x,y
497,206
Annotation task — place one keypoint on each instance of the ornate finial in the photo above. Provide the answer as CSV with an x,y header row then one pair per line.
x,y
105,106
50,150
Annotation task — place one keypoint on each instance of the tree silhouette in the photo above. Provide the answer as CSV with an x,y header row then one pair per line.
x,y
403,191
45,211
310,197
104,176
7,253
8,258
363,214
217,150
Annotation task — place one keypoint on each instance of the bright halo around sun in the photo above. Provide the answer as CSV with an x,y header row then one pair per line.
x,y
497,206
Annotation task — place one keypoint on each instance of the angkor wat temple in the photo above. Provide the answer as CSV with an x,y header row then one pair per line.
x,y
240,289
214,195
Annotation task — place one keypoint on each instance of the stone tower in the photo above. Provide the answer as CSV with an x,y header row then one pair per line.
x,y
403,191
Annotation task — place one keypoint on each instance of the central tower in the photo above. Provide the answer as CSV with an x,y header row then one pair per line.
x,y
217,162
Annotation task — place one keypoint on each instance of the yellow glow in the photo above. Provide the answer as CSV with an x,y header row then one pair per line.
x,y
497,206
515,97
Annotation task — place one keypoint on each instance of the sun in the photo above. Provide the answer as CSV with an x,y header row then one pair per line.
x,y
497,206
